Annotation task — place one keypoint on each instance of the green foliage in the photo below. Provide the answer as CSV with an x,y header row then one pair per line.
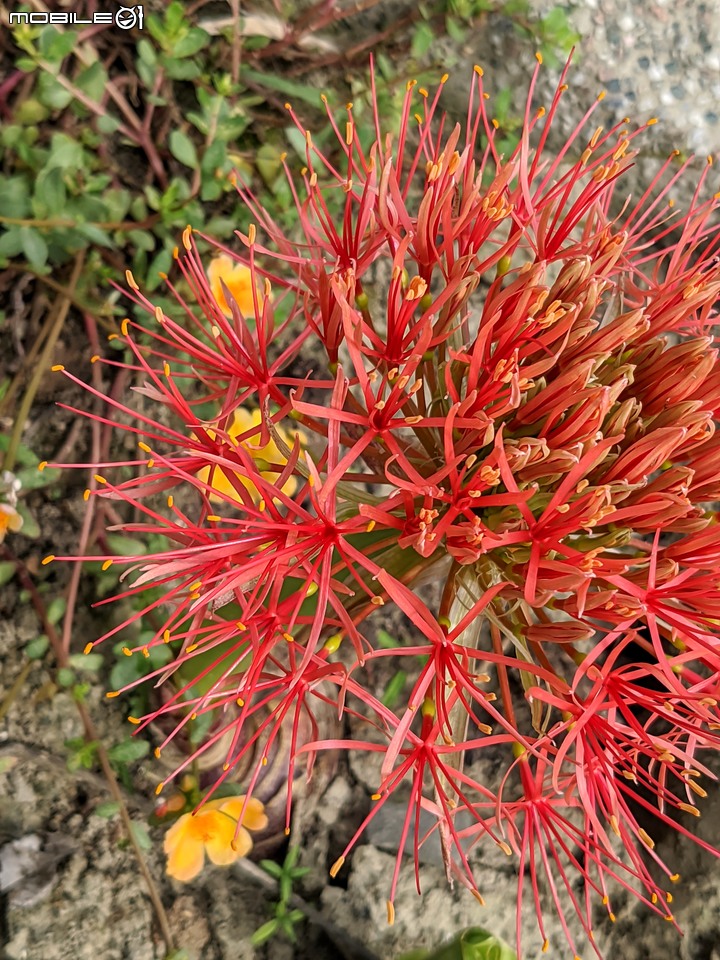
x,y
80,170
285,918
472,944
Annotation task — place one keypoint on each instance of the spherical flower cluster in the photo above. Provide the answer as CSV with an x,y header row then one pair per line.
x,y
526,414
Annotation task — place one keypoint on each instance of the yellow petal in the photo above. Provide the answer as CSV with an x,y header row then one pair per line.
x,y
186,862
176,833
238,280
186,854
220,849
254,817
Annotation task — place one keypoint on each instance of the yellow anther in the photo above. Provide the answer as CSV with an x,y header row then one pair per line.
x,y
479,70
100,479
106,564
127,651
159,315
337,866
57,367
186,234
48,559
538,56
42,465
86,494
646,838
125,327
170,501
444,78
166,636
390,913
651,121
130,279
252,233
135,720
112,693
88,648
159,787
332,644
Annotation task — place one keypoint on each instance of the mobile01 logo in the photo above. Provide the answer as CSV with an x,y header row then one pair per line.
x,y
126,18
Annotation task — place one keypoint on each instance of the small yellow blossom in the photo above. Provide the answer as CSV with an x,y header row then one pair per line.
x,y
244,420
213,831
10,520
238,280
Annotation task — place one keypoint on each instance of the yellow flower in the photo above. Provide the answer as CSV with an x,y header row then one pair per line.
x,y
10,519
238,280
244,420
212,831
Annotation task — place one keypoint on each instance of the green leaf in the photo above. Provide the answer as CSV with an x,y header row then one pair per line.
x,y
193,41
107,809
52,93
394,688
129,750
30,527
264,932
33,479
7,572
142,239
125,546
107,124
472,944
422,40
89,662
456,30
11,242
141,836
183,149
65,677
82,754
14,197
385,639
55,610
181,69
95,235
159,264
65,152
93,81
36,649
146,52
55,46
290,88
34,247
268,162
